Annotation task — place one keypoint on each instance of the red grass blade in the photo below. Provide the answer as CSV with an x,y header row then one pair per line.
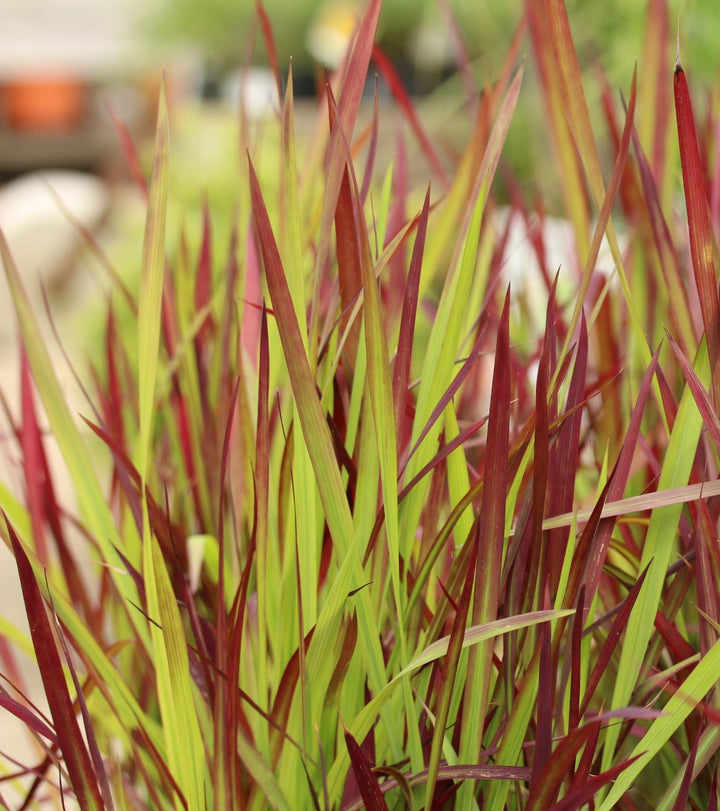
x,y
29,718
701,238
372,148
613,637
702,400
130,151
557,768
270,45
310,412
545,701
236,723
707,564
684,794
401,371
713,803
72,746
343,661
93,748
576,628
462,58
282,703
579,798
34,466
349,254
203,279
544,411
42,504
615,489
586,760
679,649
225,771
564,457
667,256
356,68
367,781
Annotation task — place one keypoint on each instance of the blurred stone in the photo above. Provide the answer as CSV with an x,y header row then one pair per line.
x,y
36,218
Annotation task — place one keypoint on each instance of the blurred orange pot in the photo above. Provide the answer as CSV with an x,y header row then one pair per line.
x,y
44,103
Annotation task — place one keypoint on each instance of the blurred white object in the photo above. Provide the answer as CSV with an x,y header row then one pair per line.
x,y
255,89
430,46
521,268
43,240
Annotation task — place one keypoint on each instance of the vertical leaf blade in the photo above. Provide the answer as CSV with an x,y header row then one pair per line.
x,y
185,750
701,240
151,284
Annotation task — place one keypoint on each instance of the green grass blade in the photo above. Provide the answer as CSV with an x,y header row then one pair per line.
x,y
490,552
183,741
692,690
151,285
312,419
327,475
657,549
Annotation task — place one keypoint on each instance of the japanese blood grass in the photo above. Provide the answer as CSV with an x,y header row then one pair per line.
x,y
367,540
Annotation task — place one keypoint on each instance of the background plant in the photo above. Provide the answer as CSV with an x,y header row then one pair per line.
x,y
369,539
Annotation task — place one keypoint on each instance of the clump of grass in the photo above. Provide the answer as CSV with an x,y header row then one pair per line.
x,y
367,540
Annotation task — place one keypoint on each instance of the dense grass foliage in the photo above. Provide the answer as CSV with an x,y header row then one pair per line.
x,y
370,526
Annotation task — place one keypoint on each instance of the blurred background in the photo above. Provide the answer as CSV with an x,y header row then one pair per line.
x,y
62,62
71,70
